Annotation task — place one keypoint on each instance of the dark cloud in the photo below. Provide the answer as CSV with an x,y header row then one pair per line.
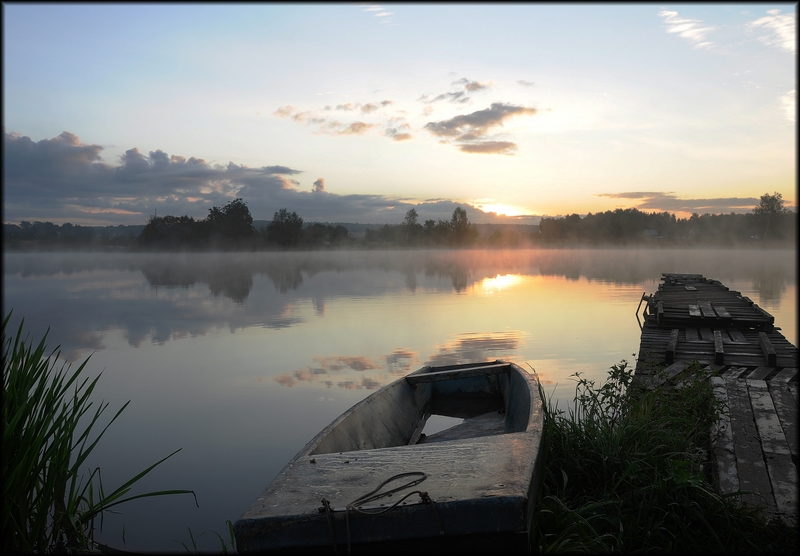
x,y
477,123
470,130
669,202
63,180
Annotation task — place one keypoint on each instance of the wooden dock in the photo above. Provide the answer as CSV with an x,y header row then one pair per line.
x,y
753,369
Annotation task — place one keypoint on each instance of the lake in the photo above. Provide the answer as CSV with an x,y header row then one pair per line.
x,y
239,359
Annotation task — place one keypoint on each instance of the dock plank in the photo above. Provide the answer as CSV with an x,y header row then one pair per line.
x,y
753,475
786,408
725,471
781,469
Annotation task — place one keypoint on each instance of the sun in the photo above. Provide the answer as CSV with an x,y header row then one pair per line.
x,y
503,210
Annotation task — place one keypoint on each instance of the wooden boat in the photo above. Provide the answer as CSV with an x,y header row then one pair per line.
x,y
372,479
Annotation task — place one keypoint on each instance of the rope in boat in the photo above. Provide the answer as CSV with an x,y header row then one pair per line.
x,y
376,495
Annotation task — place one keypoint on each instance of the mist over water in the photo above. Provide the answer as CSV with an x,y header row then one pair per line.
x,y
240,358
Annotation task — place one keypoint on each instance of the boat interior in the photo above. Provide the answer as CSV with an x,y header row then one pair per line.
x,y
489,398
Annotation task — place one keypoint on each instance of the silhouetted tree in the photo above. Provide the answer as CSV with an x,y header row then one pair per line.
x,y
285,229
462,232
233,221
769,210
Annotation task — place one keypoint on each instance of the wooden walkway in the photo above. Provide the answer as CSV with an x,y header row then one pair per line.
x,y
753,369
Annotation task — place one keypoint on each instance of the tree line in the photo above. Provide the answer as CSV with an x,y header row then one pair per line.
x,y
770,221
231,227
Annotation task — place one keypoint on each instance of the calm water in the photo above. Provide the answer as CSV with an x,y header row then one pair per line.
x,y
239,359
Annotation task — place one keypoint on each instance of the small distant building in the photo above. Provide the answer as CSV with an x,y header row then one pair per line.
x,y
652,234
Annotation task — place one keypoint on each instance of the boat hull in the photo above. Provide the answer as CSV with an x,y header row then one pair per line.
x,y
478,487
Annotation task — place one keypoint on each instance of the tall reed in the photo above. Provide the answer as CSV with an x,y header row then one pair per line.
x,y
48,426
627,470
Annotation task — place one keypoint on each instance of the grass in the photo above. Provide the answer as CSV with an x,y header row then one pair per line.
x,y
627,470
49,430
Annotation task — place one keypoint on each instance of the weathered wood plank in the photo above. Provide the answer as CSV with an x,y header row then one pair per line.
x,y
737,336
705,308
725,470
782,472
691,335
706,334
694,311
666,375
785,375
719,353
734,372
786,408
672,344
766,347
753,476
722,312
760,373
767,422
690,288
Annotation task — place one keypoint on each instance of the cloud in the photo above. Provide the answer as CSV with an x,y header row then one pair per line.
x,y
284,111
489,147
456,96
331,126
669,202
467,126
379,12
781,28
472,85
371,107
477,347
356,128
526,83
470,130
693,30
64,180
459,97
398,130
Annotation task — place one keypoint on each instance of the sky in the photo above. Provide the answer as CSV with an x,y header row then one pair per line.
x,y
360,112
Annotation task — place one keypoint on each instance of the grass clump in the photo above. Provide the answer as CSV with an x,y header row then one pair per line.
x,y
48,425
627,470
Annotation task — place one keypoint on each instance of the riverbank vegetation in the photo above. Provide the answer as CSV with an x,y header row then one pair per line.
x,y
49,430
231,227
627,469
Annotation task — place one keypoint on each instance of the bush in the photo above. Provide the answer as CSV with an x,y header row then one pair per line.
x,y
627,470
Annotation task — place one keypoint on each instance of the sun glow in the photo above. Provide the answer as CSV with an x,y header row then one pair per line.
x,y
491,286
507,210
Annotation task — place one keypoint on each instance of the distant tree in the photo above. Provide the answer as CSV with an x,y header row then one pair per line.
x,y
462,232
231,221
411,229
286,228
411,218
171,231
769,210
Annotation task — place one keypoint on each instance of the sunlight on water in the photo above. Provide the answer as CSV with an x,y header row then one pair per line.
x,y
240,359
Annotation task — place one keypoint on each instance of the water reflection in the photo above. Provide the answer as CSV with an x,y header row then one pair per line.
x,y
360,372
171,302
